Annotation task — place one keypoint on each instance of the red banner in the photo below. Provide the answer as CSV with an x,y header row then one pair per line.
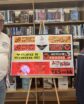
x,y
59,47
22,47
57,56
38,68
26,68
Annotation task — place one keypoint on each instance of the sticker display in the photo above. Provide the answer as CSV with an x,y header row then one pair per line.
x,y
42,55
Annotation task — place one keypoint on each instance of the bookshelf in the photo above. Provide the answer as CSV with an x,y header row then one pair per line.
x,y
45,4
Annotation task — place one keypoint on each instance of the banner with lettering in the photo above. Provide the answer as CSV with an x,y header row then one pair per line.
x,y
42,55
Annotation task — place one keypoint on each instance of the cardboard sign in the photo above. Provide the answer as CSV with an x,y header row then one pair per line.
x,y
42,55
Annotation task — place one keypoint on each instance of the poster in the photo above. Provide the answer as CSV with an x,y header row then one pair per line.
x,y
42,55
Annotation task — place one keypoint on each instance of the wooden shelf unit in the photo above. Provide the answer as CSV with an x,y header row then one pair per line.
x,y
20,95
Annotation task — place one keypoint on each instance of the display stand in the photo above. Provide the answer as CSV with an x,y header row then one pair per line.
x,y
42,31
28,92
36,91
30,82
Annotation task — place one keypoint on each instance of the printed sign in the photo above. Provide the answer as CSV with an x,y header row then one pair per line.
x,y
56,55
60,39
24,39
59,47
24,47
42,55
32,68
17,56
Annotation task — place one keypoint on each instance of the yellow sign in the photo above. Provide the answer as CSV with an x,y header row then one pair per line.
x,y
27,56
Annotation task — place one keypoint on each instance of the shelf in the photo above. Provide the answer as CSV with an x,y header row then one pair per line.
x,y
41,90
18,24
19,4
36,1
78,38
20,95
61,23
46,23
59,3
15,6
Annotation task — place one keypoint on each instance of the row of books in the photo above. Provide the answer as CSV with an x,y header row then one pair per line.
x,y
75,30
54,14
17,16
61,83
57,14
19,30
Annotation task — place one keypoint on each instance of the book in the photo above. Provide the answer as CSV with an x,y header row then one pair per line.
x,y
79,30
40,15
63,83
73,30
47,83
67,14
76,47
50,14
66,29
74,14
12,84
24,16
82,30
17,13
31,14
55,15
25,83
59,15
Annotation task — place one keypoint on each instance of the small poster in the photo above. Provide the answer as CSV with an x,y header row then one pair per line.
x,y
42,55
